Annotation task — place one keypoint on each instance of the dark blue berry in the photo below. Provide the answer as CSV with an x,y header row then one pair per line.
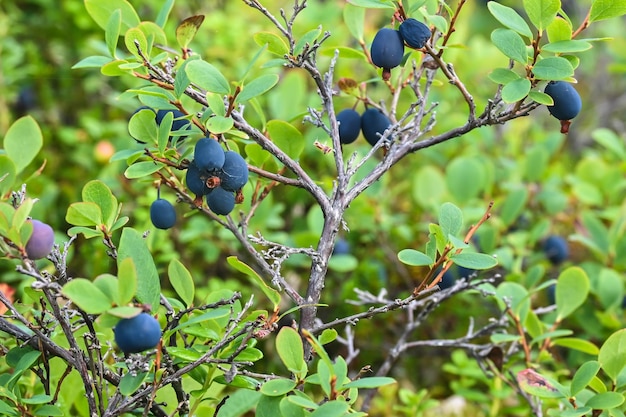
x,y
349,125
387,48
162,214
221,201
234,172
137,334
342,247
178,124
414,33
208,155
373,124
196,180
567,102
556,249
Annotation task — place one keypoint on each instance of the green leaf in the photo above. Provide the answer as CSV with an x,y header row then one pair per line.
x,y
612,356
610,140
336,408
38,399
95,61
572,288
107,283
511,44
127,281
606,9
133,245
142,169
371,382
291,351
7,410
99,193
583,376
239,402
307,39
553,68
23,142
517,296
275,44
450,219
513,205
567,46
87,296
142,126
474,260
26,361
87,232
597,231
537,385
257,87
509,18
343,263
101,10
541,12
559,30
286,137
541,98
187,29
271,293
605,401
457,173
268,406
516,90
135,34
354,18
278,387
206,76
112,32
166,8
181,281
84,214
327,336
125,312
414,258
503,75
131,382
219,124
373,4
580,345
8,174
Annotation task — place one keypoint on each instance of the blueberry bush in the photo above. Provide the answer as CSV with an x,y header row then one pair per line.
x,y
204,232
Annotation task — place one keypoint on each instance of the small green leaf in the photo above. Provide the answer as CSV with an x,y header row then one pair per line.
x,y
580,345
99,193
107,283
125,312
373,4
133,35
553,68
95,61
291,350
84,214
509,18
612,356
606,9
471,260
583,376
275,44
503,75
181,281
206,76
87,232
268,406
278,387
518,298
572,288
257,87
370,382
458,171
327,336
101,10
568,46
336,408
354,18
450,219
414,258
8,174
286,137
271,293
511,44
87,296
559,30
142,126
131,382
133,245
610,140
22,142
605,401
219,124
541,12
26,361
516,90
127,282
307,39
142,169
186,31
541,98
343,263
513,205
112,32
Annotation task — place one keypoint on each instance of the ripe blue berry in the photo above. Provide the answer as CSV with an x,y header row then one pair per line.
x,y
387,48
162,214
414,33
556,249
208,155
196,180
234,172
342,247
137,334
373,124
41,241
221,201
567,102
349,125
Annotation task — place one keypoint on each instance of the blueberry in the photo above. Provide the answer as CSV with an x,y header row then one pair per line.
x,y
414,33
196,180
373,124
447,280
137,334
221,201
342,247
162,214
349,125
387,48
234,172
556,249
567,102
178,124
41,241
208,155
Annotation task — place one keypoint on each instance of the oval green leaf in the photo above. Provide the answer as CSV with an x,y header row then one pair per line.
x,y
206,76
87,296
572,288
181,281
511,44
